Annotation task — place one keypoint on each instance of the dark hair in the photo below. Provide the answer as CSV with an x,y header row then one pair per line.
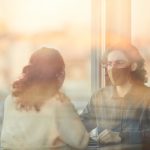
x,y
139,75
46,68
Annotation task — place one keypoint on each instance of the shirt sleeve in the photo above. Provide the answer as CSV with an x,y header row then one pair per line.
x,y
88,115
70,127
142,135
146,125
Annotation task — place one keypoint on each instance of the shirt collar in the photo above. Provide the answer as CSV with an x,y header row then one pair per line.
x,y
133,92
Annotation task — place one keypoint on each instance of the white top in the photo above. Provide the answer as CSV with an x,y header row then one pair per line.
x,y
55,127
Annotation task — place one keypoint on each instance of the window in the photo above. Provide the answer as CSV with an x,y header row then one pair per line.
x,y
27,25
115,21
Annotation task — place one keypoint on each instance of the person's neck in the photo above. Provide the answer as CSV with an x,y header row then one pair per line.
x,y
122,90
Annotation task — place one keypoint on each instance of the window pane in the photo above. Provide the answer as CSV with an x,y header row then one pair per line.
x,y
29,24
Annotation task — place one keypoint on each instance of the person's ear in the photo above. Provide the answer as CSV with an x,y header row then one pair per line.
x,y
133,66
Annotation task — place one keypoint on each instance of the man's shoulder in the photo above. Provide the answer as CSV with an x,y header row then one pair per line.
x,y
143,89
146,93
104,91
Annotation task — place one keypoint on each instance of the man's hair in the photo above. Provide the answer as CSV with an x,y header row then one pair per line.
x,y
139,75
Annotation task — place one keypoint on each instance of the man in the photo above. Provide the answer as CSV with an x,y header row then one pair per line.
x,y
121,112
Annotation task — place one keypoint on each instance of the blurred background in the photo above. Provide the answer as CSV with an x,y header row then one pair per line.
x,y
115,21
26,25
80,29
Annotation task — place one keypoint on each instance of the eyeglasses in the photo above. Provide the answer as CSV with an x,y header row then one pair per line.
x,y
116,64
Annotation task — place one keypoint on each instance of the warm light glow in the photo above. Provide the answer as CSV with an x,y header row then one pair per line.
x,y
26,25
118,17
140,17
34,15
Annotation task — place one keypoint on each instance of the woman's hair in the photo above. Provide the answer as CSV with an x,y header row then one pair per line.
x,y
139,75
46,68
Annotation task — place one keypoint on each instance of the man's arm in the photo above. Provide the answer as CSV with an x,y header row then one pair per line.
x,y
146,126
142,136
88,116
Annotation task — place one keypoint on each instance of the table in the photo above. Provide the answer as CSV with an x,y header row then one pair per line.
x,y
94,146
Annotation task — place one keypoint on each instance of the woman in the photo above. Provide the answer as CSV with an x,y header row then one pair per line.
x,y
37,115
121,110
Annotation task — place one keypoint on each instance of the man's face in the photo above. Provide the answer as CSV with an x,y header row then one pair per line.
x,y
118,67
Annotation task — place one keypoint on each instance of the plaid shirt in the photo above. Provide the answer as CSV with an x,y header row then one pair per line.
x,y
129,115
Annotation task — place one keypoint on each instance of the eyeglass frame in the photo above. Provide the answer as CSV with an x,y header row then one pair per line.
x,y
117,64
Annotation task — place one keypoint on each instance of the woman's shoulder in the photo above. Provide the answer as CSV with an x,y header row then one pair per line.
x,y
63,103
60,99
10,103
8,99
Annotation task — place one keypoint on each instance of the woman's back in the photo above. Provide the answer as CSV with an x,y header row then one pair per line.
x,y
37,115
55,126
